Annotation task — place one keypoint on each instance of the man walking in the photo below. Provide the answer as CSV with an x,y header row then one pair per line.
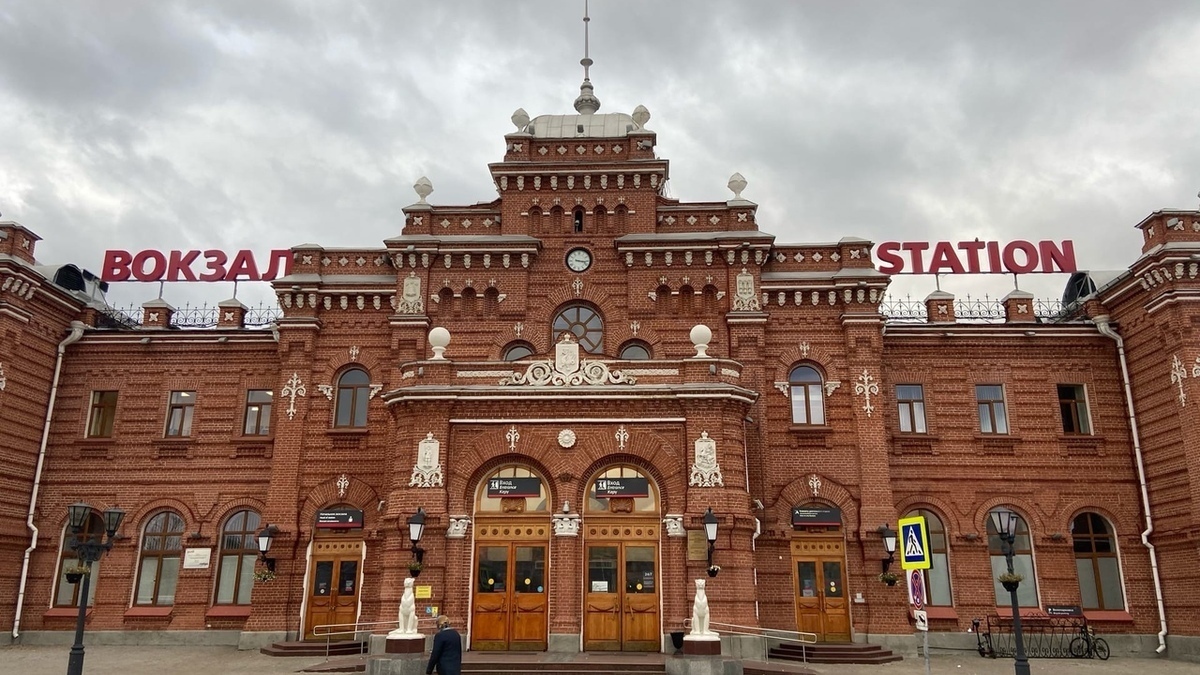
x,y
447,650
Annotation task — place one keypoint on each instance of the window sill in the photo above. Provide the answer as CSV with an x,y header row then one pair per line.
x,y
348,431
1030,612
811,435
914,443
1107,615
65,613
148,611
228,612
935,613
176,439
253,439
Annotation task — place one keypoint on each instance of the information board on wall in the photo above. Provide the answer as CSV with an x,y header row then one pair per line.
x,y
607,488
514,487
339,519
196,558
697,546
811,516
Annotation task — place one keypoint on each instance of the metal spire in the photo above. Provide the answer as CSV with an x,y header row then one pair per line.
x,y
586,103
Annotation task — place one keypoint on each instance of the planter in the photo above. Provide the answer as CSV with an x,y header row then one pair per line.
x,y
890,582
677,641
414,573
712,572
74,577
1010,586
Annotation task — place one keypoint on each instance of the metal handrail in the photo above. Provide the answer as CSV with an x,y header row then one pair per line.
x,y
317,630
802,638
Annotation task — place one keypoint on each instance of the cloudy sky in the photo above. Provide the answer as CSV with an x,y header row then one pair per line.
x,y
260,125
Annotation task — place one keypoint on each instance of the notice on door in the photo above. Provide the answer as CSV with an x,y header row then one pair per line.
x,y
599,586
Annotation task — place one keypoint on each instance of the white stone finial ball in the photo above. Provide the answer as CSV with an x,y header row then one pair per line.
x,y
423,188
737,183
438,339
520,119
641,116
701,335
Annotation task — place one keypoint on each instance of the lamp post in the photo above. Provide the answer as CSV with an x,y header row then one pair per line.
x,y
1005,522
710,533
88,548
416,528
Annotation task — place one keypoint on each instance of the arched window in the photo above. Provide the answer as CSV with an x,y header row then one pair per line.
x,y
1022,563
937,577
67,594
635,350
1096,563
352,399
525,483
158,570
239,549
584,323
578,220
808,395
642,494
517,350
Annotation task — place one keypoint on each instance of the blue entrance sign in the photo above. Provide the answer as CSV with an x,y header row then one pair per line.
x,y
914,543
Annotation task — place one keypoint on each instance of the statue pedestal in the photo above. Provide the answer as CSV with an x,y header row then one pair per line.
x,y
404,643
397,664
702,645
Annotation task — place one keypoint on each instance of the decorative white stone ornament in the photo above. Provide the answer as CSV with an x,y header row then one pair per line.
x,y
1178,374
700,611
326,389
290,391
640,116
408,612
458,527
423,188
701,335
566,439
520,120
736,184
674,524
439,338
746,299
343,484
622,434
705,470
428,471
866,386
567,370
411,301
814,484
3,379
512,436
566,524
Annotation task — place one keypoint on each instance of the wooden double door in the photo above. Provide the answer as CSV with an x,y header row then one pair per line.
x,y
820,587
510,597
621,597
333,577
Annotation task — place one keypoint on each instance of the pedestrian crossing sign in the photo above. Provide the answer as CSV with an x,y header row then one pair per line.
x,y
914,543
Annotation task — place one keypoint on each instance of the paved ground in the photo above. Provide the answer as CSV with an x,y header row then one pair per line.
x,y
112,660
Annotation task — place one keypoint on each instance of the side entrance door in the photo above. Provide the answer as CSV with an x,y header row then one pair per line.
x,y
621,598
820,587
510,597
333,576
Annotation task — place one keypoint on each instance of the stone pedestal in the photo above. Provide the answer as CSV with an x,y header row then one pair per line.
x,y
404,643
702,645
398,664
703,665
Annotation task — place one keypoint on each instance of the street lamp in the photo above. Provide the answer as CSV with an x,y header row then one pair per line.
x,y
416,527
710,533
88,549
1005,522
264,545
889,546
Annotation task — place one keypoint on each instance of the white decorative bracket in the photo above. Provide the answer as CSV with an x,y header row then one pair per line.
x,y
866,386
4,380
1195,372
831,386
428,471
375,389
1178,374
326,389
674,524
566,525
290,391
458,527
784,387
705,470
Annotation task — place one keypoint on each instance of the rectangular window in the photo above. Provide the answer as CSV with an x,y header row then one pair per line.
x,y
911,400
179,413
1072,404
993,418
258,412
103,414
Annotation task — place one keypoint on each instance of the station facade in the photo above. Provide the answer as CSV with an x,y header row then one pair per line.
x,y
565,380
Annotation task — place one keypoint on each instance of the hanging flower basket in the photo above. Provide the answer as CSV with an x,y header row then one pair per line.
x,y
1010,581
263,576
75,574
414,569
889,578
714,570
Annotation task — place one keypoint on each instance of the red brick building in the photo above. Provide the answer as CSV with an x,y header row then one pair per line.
x,y
568,430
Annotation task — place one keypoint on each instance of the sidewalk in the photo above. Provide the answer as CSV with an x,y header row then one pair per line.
x,y
117,660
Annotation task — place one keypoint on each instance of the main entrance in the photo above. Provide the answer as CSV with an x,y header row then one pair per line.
x,y
333,576
509,591
621,587
819,567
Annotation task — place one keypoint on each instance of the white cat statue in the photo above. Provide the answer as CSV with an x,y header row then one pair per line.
x,y
408,609
700,611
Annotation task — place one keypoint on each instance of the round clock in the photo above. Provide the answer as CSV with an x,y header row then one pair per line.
x,y
579,259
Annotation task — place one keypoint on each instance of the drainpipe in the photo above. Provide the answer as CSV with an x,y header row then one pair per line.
x,y
77,329
1106,329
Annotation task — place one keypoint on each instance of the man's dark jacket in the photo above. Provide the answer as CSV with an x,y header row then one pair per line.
x,y
447,653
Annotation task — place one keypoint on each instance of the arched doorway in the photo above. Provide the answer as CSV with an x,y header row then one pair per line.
x,y
819,567
512,535
335,566
621,587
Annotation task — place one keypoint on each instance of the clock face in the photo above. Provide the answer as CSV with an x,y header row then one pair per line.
x,y
579,260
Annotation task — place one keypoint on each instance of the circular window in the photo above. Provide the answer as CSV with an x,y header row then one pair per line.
x,y
584,323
